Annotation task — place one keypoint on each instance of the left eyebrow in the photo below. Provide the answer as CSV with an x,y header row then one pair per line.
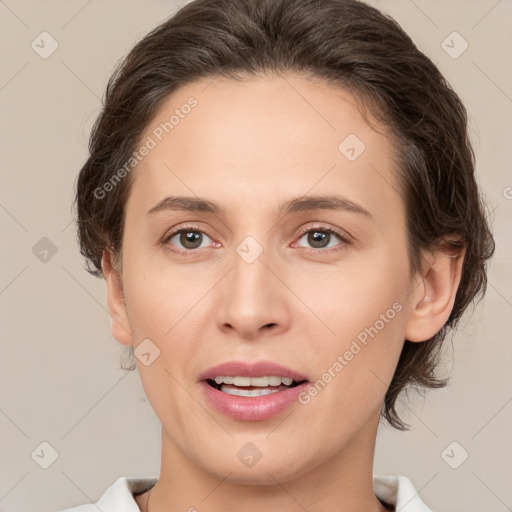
x,y
296,204
329,202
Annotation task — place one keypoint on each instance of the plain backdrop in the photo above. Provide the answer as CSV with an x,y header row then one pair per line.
x,y
60,377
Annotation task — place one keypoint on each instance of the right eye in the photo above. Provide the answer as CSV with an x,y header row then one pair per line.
x,y
190,238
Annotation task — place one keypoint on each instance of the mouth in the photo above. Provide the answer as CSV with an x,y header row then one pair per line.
x,y
251,391
252,386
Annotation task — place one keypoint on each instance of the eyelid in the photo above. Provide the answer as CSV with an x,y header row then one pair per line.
x,y
346,237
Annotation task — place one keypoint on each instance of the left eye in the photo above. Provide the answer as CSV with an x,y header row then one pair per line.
x,y
317,237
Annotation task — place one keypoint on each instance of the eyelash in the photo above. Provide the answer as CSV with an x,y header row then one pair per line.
x,y
192,252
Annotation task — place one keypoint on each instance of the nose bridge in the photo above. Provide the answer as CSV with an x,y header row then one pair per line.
x,y
252,297
250,276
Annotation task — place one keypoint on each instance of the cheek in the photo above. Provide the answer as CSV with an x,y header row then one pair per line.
x,y
163,307
161,297
353,296
364,310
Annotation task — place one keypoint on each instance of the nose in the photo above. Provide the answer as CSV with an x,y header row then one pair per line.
x,y
253,299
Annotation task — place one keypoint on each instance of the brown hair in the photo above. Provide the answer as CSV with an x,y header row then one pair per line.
x,y
347,43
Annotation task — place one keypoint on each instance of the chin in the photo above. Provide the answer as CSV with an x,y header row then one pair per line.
x,y
279,465
260,475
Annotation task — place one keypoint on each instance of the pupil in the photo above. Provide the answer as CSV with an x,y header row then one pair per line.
x,y
190,237
317,237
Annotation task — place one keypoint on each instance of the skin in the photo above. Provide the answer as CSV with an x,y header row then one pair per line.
x,y
250,146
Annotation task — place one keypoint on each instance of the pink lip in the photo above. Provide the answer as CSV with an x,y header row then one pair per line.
x,y
246,369
251,408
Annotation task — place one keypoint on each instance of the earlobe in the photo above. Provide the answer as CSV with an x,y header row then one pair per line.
x,y
115,300
433,302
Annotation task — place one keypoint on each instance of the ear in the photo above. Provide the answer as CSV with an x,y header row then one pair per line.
x,y
116,306
434,296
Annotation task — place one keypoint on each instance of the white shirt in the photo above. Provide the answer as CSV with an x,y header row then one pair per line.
x,y
395,490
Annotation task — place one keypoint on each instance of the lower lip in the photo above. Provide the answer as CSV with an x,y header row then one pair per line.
x,y
258,408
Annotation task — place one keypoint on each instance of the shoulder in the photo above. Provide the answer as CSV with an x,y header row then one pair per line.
x,y
400,492
119,496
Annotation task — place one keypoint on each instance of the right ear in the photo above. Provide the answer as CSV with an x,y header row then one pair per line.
x,y
116,306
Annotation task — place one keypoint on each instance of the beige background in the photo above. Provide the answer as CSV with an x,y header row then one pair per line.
x,y
60,376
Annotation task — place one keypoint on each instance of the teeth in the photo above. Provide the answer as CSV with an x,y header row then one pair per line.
x,y
248,392
254,381
274,381
242,381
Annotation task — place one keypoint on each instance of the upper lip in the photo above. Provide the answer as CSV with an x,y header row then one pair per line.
x,y
251,369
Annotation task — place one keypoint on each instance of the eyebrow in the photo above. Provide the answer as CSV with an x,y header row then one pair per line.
x,y
294,205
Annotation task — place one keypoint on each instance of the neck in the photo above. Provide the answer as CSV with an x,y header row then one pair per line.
x,y
341,482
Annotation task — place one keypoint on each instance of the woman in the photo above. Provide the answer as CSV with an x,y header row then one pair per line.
x,y
280,195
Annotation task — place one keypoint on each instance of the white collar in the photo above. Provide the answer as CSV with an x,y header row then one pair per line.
x,y
395,490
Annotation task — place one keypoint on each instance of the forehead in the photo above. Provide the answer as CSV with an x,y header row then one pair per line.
x,y
264,138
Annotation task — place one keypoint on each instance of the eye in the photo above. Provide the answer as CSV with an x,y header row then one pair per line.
x,y
320,237
190,238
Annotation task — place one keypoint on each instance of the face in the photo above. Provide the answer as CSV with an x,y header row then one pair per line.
x,y
269,283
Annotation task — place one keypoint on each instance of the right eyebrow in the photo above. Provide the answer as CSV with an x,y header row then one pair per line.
x,y
191,204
